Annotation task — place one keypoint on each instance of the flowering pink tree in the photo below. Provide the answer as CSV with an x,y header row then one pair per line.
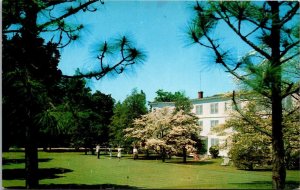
x,y
166,132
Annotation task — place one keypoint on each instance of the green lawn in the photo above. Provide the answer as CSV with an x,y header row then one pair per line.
x,y
76,170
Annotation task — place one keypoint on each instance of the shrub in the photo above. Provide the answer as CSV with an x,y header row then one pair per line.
x,y
202,147
250,151
214,151
292,160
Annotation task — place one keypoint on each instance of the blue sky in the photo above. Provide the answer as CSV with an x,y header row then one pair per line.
x,y
159,29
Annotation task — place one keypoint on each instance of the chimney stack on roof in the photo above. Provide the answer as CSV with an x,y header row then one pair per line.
x,y
200,94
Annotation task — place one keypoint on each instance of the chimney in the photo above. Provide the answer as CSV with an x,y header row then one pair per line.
x,y
200,94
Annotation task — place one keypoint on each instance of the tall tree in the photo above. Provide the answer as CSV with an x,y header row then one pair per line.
x,y
271,29
102,105
87,114
29,20
165,131
180,100
124,114
26,94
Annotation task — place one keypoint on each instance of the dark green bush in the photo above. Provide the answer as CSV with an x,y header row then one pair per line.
x,y
214,151
292,160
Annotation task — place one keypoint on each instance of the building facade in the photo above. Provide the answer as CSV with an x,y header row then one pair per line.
x,y
211,111
215,110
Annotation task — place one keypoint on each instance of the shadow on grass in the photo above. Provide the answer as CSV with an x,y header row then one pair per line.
x,y
265,184
258,170
195,163
6,161
79,186
150,157
43,173
173,160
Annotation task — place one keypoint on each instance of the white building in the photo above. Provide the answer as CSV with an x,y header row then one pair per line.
x,y
215,110
211,111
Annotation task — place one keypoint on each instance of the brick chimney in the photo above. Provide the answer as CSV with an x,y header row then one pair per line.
x,y
200,94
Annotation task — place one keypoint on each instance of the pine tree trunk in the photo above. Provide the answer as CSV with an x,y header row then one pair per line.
x,y
31,157
29,35
278,171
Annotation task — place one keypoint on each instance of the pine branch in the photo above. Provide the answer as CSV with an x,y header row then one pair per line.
x,y
289,58
289,47
103,72
220,58
289,15
10,31
69,13
290,113
55,2
254,124
226,18
232,71
258,27
290,92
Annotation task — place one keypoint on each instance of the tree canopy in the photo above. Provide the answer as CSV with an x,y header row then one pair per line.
x,y
165,132
88,114
181,101
124,114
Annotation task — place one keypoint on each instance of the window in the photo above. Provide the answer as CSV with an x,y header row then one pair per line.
x,y
288,102
199,109
214,141
200,123
214,123
214,108
227,106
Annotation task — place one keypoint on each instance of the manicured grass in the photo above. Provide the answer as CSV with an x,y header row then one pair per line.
x,y
76,170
